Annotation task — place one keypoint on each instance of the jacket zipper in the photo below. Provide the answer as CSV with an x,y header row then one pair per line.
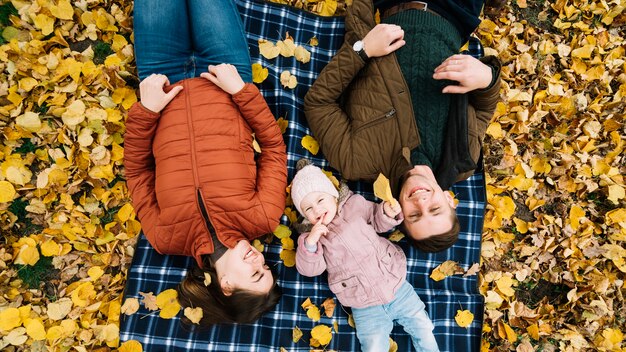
x,y
377,120
205,215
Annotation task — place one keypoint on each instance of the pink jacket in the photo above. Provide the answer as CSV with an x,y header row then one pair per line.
x,y
364,269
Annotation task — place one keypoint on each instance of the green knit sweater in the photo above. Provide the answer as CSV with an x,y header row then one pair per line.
x,y
430,39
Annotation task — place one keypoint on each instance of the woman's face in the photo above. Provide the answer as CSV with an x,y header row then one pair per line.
x,y
243,267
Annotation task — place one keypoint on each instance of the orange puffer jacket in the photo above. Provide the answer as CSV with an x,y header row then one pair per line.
x,y
193,166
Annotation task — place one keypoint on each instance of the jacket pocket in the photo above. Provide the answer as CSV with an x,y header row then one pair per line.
x,y
349,291
378,120
391,262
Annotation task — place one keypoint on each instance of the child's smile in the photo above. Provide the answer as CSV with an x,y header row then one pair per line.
x,y
319,206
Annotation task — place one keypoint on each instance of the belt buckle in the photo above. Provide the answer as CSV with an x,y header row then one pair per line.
x,y
423,3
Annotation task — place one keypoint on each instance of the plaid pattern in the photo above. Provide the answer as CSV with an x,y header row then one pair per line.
x,y
152,272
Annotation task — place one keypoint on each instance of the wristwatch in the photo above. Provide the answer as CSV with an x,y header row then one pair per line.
x,y
360,49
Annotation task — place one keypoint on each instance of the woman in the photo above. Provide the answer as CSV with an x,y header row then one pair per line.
x,y
190,166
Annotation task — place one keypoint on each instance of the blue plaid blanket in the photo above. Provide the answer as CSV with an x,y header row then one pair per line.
x,y
152,272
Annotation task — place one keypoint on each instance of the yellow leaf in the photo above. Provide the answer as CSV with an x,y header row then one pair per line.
x,y
335,326
313,313
268,49
396,236
464,318
504,206
95,272
194,314
109,333
575,214
322,333
59,309
258,245
35,329
29,121
302,54
309,143
510,334
287,47
28,255
259,74
131,346
393,346
55,332
288,80
125,212
27,84
296,334
168,302
329,7
382,189
63,10
504,285
16,337
282,124
583,52
74,114
313,41
332,178
533,331
130,306
44,23
112,61
119,42
7,192
289,257
495,130
282,231
351,321
82,295
616,192
287,243
10,319
329,306
445,269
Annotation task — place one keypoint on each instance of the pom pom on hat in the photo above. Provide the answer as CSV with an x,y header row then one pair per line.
x,y
310,179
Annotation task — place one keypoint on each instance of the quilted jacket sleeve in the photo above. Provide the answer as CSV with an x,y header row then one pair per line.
x,y
374,213
140,168
271,178
309,264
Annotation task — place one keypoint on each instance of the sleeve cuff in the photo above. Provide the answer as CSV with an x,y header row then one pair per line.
x,y
310,248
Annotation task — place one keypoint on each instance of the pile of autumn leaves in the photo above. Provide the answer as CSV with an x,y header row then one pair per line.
x,y
554,161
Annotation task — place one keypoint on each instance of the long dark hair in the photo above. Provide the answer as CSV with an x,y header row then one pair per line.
x,y
240,307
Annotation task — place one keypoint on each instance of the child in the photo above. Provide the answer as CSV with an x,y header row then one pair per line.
x,y
366,272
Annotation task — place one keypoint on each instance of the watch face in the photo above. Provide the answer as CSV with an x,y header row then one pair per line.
x,y
358,46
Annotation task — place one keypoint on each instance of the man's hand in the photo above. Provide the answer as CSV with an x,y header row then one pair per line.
x,y
392,210
226,77
469,72
152,95
383,40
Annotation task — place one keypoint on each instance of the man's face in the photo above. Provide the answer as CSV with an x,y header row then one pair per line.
x,y
426,207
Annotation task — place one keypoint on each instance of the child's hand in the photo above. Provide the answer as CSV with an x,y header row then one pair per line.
x,y
152,95
392,210
317,231
226,77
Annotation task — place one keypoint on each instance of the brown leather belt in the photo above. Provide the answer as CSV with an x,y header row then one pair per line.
x,y
411,5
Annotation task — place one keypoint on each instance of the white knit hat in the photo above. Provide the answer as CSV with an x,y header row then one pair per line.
x,y
310,179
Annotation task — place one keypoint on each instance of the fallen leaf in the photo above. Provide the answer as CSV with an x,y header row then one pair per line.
x,y
194,314
149,300
464,318
259,73
296,334
288,80
329,306
322,333
167,301
130,306
309,143
268,49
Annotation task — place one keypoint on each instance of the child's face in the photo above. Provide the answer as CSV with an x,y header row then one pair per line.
x,y
319,206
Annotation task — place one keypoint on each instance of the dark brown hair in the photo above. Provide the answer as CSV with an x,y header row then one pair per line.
x,y
240,307
440,242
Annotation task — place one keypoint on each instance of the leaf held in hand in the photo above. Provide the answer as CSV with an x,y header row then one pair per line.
x,y
382,189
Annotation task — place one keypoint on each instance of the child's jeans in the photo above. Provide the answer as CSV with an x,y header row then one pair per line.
x,y
374,324
180,39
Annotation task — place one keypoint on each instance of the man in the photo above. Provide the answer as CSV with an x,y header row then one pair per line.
x,y
398,99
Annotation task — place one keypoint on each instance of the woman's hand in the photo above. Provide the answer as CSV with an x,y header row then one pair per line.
x,y
392,210
152,95
469,72
226,77
383,40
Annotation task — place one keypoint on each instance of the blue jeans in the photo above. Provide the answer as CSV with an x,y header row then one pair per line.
x,y
181,38
374,324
